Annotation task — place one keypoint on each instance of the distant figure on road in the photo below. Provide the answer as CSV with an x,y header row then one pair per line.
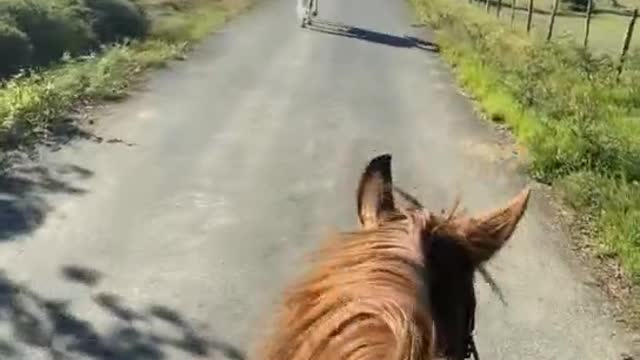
x,y
302,10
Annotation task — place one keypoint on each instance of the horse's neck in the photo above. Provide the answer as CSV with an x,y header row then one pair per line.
x,y
363,300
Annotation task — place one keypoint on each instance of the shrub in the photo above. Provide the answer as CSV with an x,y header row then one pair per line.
x,y
15,48
52,30
114,20
38,32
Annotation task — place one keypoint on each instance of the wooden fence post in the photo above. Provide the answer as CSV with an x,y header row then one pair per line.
x,y
587,26
513,11
552,19
529,16
627,41
499,9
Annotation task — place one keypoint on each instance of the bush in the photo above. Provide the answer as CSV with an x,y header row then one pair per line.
x,y
114,20
15,48
52,30
38,32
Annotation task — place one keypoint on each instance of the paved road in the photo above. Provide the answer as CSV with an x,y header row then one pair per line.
x,y
170,238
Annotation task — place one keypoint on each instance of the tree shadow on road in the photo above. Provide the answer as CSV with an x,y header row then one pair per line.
x,y
377,37
47,324
25,183
24,187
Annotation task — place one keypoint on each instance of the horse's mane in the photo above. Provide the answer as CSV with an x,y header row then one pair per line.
x,y
363,299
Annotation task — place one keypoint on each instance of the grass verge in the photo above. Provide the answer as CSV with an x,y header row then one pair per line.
x,y
580,127
32,102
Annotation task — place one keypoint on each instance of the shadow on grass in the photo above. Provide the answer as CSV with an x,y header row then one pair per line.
x,y
48,325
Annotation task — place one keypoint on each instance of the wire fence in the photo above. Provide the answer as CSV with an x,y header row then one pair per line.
x,y
598,28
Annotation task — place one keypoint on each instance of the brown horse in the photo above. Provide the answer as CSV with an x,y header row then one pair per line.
x,y
400,288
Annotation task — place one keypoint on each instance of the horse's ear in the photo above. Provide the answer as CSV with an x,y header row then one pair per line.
x,y
486,234
375,191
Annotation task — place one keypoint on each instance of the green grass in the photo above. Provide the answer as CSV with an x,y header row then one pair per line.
x,y
189,27
615,202
31,102
580,127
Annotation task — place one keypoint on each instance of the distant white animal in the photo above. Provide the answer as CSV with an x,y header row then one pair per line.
x,y
302,10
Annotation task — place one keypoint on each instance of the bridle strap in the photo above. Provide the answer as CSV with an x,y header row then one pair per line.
x,y
471,351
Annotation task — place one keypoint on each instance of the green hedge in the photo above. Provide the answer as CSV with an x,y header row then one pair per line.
x,y
42,31
15,47
52,29
114,20
32,102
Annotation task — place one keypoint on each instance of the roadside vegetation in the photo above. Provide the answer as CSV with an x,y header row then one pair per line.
x,y
580,126
61,54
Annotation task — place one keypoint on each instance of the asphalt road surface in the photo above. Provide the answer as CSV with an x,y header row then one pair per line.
x,y
169,232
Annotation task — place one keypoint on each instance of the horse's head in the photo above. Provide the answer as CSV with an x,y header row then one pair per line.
x,y
453,247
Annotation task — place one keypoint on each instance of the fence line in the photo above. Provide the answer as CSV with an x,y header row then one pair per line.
x,y
529,16
552,19
627,41
587,26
